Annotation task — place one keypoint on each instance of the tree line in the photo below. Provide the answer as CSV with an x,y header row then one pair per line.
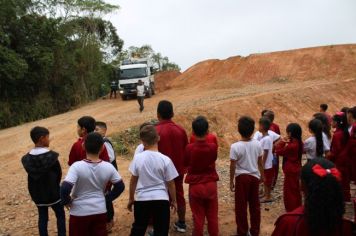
x,y
54,55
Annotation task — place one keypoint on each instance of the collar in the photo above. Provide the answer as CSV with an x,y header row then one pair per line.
x,y
38,150
165,121
93,162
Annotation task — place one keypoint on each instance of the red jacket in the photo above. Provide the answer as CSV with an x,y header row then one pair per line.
x,y
210,138
294,224
172,143
351,150
275,128
77,153
292,163
200,158
338,150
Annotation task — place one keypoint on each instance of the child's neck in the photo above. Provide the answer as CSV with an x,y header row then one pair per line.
x,y
92,157
151,148
39,145
202,138
264,133
246,139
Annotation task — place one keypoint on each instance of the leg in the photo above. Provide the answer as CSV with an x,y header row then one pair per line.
x,y
197,205
345,183
268,184
180,198
276,171
254,206
212,209
291,191
61,218
161,217
42,220
142,215
98,225
79,225
241,197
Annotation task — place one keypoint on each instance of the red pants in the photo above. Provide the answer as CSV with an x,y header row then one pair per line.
x,y
291,191
203,200
180,192
276,171
345,181
269,177
92,225
246,192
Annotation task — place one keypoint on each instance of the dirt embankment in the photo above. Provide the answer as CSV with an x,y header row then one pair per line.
x,y
164,79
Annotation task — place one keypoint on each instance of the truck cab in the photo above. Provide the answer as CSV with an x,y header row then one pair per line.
x,y
130,72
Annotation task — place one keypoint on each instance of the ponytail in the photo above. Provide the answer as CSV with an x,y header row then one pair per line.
x,y
316,127
296,133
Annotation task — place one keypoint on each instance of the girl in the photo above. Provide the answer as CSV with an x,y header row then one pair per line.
x,y
338,151
291,149
326,125
322,213
316,145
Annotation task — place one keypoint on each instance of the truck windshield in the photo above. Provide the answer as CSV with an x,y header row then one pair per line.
x,y
133,73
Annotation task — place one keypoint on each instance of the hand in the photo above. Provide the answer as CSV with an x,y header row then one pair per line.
x,y
130,204
173,206
286,140
232,186
68,206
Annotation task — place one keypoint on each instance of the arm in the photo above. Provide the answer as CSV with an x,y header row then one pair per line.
x,y
260,168
104,155
172,193
119,187
72,155
66,189
133,185
232,175
264,156
186,157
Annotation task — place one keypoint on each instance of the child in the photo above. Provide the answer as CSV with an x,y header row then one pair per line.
x,y
172,143
316,145
322,213
351,144
201,177
44,176
323,109
209,137
246,170
326,125
338,151
140,94
274,127
101,128
86,125
351,118
291,149
88,178
152,174
267,146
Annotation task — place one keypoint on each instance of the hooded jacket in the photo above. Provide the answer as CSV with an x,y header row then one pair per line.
x,y
44,176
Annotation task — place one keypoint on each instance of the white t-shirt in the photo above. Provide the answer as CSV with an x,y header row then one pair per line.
x,y
153,170
140,148
267,144
140,90
90,180
246,155
110,151
310,146
258,135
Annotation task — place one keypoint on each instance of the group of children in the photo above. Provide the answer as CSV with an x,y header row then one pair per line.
x,y
165,159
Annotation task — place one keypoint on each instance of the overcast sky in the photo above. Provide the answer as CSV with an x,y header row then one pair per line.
x,y
189,31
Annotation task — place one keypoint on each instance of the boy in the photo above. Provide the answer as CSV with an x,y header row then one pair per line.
x,y
202,177
246,170
44,176
101,128
86,125
152,174
323,108
172,143
140,94
267,158
88,178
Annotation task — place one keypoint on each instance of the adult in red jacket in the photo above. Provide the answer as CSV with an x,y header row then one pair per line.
x,y
291,149
322,213
173,141
339,151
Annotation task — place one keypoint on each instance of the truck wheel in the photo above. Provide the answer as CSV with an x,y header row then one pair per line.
x,y
153,89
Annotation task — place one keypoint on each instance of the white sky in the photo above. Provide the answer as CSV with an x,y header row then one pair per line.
x,y
189,31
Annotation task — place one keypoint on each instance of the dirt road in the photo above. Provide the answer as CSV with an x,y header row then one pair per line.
x,y
292,101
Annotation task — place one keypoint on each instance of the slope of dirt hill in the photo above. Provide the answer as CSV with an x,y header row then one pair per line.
x,y
292,101
164,79
332,62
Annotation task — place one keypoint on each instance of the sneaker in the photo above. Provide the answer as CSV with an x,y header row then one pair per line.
x,y
180,227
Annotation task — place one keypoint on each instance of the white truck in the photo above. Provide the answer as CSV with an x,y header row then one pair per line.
x,y
133,70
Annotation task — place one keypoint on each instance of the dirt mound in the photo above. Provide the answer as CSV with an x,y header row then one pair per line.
x,y
164,78
336,62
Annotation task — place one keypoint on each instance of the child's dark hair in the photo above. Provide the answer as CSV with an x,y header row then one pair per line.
x,y
246,126
149,135
265,122
345,110
296,133
87,122
101,124
326,124
37,132
93,143
341,122
316,127
324,203
263,112
352,111
324,107
200,126
165,109
270,115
